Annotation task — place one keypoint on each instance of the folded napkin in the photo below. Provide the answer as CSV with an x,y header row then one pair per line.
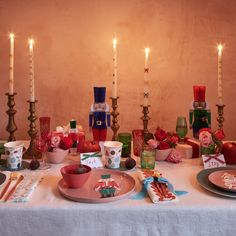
x,y
158,188
25,188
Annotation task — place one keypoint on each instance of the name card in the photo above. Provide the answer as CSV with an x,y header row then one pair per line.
x,y
213,161
92,159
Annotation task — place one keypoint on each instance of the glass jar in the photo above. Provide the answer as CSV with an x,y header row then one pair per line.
x,y
147,156
125,138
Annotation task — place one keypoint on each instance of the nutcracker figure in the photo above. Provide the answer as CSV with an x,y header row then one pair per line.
x,y
199,114
99,116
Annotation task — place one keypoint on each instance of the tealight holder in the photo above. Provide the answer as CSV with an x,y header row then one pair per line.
x,y
32,152
115,126
11,126
220,119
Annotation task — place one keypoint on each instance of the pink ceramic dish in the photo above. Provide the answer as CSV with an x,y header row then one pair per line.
x,y
57,156
75,180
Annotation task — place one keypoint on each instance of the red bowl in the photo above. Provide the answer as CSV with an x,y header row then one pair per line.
x,y
75,180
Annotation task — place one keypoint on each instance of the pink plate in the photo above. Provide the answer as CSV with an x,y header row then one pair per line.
x,y
89,195
225,179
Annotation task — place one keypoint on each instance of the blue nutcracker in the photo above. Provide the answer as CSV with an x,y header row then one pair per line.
x,y
99,116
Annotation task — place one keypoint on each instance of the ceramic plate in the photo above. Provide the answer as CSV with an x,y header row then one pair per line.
x,y
2,178
202,178
225,179
24,165
89,195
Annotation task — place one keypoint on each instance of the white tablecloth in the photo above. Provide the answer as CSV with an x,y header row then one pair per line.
x,y
197,213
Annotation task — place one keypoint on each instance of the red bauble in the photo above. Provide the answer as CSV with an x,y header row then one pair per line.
x,y
229,151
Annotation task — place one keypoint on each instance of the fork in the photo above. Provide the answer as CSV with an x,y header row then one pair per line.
x,y
13,177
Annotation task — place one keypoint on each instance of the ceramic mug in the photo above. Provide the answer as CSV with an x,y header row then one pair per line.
x,y
112,151
14,152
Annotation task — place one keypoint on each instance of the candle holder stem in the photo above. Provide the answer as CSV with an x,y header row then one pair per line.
x,y
32,152
220,119
11,126
145,118
115,126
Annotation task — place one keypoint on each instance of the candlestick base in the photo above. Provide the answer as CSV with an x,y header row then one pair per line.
x,y
145,118
220,119
115,126
11,126
32,152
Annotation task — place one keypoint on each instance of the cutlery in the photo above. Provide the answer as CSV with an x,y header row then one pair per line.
x,y
19,179
13,177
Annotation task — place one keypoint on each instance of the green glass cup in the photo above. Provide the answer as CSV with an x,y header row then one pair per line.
x,y
125,138
148,158
181,128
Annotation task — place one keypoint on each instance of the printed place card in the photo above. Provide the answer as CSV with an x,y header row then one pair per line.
x,y
213,161
92,159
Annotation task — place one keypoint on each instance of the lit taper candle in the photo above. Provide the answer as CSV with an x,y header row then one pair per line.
x,y
146,71
11,65
220,85
31,69
114,80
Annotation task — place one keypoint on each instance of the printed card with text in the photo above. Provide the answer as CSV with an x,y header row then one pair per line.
x,y
92,159
213,161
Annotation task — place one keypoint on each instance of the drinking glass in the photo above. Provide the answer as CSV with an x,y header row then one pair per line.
x,y
42,147
125,138
181,128
44,126
148,158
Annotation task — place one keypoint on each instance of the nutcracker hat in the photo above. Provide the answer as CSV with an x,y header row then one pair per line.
x,y
99,94
199,93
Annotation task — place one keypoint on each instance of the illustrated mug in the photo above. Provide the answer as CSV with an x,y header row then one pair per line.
x,y
112,151
14,152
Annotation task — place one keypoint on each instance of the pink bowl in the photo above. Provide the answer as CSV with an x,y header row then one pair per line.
x,y
75,180
57,156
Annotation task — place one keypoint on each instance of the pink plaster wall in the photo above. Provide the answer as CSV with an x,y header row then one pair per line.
x,y
74,53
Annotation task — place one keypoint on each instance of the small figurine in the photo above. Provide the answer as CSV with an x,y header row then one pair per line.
x,y
99,116
107,186
199,114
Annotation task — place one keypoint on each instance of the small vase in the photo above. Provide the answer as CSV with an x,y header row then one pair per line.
x,y
57,156
161,155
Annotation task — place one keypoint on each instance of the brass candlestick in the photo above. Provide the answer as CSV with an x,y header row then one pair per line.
x,y
220,119
32,152
115,126
145,118
11,126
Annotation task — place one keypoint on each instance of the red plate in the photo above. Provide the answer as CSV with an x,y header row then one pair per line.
x,y
89,195
225,179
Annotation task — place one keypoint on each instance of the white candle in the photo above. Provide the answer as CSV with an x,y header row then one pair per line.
x,y
146,71
114,80
31,69
11,66
220,85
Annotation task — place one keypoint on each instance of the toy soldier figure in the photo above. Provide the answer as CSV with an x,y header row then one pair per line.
x,y
199,115
99,116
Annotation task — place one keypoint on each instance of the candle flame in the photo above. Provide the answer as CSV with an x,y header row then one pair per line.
x,y
220,48
114,42
31,43
11,36
147,51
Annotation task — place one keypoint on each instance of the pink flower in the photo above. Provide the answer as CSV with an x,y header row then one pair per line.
x,y
219,134
55,141
153,143
175,156
160,134
205,138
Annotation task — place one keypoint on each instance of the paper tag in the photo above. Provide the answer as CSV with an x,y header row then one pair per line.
x,y
213,161
92,159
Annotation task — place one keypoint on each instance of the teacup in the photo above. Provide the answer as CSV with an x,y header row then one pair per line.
x,y
112,151
14,152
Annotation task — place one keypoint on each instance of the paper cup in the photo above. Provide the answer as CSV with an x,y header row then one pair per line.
x,y
14,151
112,151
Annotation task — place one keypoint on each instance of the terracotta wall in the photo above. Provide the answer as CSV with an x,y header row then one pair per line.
x,y
74,53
